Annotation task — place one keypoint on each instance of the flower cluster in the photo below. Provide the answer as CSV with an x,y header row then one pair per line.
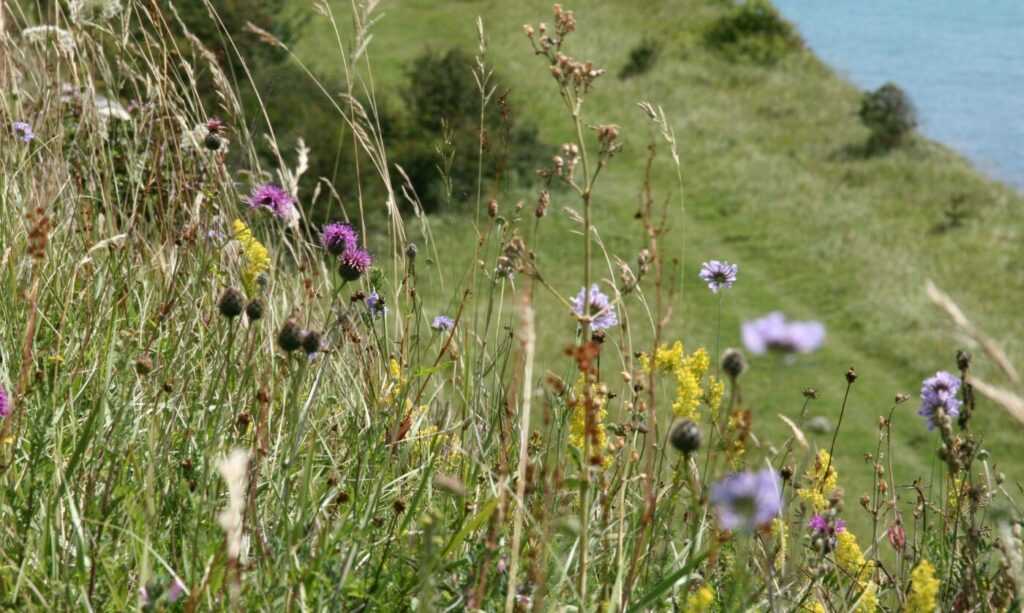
x,y
338,237
255,255
851,560
924,589
822,480
22,131
688,372
601,310
938,392
718,275
747,500
375,305
578,421
773,333
442,323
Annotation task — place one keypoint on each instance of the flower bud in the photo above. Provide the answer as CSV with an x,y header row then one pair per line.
x,y
231,303
686,437
290,337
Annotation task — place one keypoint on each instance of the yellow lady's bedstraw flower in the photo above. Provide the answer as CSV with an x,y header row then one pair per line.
x,y
578,421
819,485
256,258
924,589
699,601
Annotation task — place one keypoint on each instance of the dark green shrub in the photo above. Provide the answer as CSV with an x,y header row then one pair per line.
x,y
890,116
642,58
754,31
443,103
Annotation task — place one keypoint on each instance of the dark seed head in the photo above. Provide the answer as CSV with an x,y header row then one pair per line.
x,y
686,437
231,303
254,310
290,336
144,364
734,363
411,251
311,342
212,142
963,360
851,375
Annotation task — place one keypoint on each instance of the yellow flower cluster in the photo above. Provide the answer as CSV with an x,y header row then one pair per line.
x,y
688,371
868,602
578,421
924,589
955,489
781,531
445,447
255,255
395,387
851,560
699,601
817,607
737,429
819,486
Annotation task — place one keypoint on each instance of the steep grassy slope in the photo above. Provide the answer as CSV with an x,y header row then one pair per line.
x,y
768,182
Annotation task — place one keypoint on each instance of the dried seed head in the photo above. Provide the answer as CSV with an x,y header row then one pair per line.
x,y
963,360
411,251
810,393
290,336
492,208
543,200
686,436
851,375
231,304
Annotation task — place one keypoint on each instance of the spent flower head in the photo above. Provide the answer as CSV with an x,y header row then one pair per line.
x,y
718,275
601,310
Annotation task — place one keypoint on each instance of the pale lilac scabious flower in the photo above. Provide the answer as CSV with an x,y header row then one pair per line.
x,y
939,392
718,274
747,500
272,198
5,403
354,263
375,304
176,591
442,323
22,131
773,333
601,308
338,237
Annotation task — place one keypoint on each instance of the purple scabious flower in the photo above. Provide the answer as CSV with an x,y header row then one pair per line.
x,y
375,304
601,308
442,323
718,275
338,237
22,131
747,500
5,404
773,333
354,263
272,198
939,392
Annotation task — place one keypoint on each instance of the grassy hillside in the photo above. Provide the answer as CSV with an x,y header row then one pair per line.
x,y
771,181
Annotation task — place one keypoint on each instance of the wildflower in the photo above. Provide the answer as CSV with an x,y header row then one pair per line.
x,y
289,338
96,11
255,255
897,536
868,602
231,304
747,500
375,304
733,363
820,484
773,333
578,430
851,560
5,403
699,601
22,131
272,198
820,524
601,310
924,588
685,436
39,35
354,263
939,392
442,323
176,590
688,371
718,274
338,237
254,310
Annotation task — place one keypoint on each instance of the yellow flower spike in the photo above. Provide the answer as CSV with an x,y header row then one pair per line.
x,y
781,532
851,560
395,369
868,602
924,589
699,601
255,255
578,422
820,486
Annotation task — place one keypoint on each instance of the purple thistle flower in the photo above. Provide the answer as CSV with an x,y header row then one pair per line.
x,y
5,404
939,392
820,524
773,333
375,304
601,308
442,323
747,500
22,131
272,198
338,237
354,263
718,274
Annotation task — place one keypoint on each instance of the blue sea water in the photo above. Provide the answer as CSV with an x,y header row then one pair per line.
x,y
961,61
